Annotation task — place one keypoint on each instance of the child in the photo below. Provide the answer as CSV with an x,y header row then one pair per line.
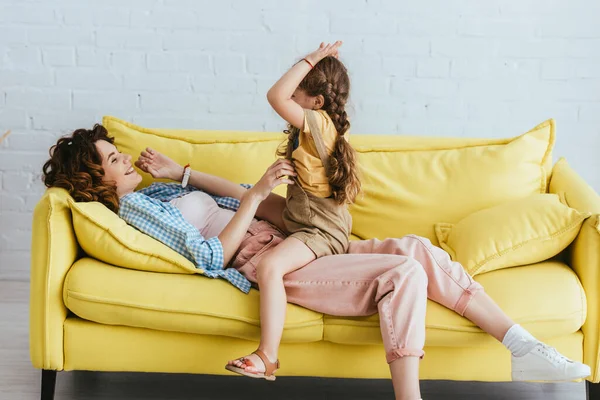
x,y
311,97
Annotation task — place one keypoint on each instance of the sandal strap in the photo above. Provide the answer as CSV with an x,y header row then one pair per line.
x,y
270,367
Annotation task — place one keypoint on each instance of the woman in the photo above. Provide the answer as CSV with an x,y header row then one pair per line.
x,y
393,277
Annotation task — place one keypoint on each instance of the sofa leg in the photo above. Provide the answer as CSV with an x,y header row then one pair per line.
x,y
592,390
48,384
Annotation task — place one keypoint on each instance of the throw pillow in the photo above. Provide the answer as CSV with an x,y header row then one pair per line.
x,y
515,233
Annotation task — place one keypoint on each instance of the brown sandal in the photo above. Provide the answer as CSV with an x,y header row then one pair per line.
x,y
270,367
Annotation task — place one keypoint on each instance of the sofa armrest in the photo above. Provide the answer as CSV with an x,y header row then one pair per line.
x,y
54,249
578,193
584,255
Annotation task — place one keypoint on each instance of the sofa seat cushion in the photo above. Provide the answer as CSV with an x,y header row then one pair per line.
x,y
106,294
546,298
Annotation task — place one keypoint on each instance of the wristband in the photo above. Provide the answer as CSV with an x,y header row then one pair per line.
x,y
187,171
309,63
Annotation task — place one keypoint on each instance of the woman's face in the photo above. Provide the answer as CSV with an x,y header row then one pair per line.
x,y
118,168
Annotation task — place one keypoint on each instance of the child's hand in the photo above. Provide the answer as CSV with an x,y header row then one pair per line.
x,y
158,165
324,50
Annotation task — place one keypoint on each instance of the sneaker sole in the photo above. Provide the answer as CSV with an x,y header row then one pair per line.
x,y
520,376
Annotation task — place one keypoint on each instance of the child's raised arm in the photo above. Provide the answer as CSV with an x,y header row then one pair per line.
x,y
280,95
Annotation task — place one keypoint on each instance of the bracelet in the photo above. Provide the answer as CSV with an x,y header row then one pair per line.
x,y
187,171
309,63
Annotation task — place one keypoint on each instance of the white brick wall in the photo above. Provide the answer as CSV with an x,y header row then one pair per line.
x,y
438,67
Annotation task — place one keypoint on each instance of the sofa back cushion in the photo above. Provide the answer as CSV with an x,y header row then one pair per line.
x,y
409,183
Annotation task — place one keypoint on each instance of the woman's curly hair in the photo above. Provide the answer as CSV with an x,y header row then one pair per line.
x,y
329,78
76,165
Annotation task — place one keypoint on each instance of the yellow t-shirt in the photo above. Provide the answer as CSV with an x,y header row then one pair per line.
x,y
310,169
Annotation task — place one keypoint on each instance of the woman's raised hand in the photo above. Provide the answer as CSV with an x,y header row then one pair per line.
x,y
158,165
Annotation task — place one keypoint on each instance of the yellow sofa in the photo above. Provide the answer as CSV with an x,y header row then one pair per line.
x,y
89,315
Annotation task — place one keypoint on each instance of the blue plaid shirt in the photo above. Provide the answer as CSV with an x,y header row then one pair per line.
x,y
149,211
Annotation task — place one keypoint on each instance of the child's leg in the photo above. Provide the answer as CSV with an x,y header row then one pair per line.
x,y
288,256
362,284
405,378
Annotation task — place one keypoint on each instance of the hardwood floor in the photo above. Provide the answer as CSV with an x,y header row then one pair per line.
x,y
20,381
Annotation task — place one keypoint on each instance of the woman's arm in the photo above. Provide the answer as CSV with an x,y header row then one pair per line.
x,y
162,167
157,221
280,95
214,185
271,209
232,235
234,232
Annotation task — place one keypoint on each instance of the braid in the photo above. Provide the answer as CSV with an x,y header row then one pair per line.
x,y
335,108
329,78
286,148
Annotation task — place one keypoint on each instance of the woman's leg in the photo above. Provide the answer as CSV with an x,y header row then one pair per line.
x,y
405,378
449,283
288,256
358,285
451,286
487,315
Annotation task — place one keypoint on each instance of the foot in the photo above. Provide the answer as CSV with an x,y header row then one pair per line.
x,y
250,363
545,363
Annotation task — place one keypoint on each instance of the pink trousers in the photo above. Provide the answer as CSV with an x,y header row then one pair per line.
x,y
394,277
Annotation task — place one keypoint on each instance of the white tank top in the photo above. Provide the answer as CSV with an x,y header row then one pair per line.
x,y
202,211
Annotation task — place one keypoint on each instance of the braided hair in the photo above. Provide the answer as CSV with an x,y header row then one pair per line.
x,y
329,78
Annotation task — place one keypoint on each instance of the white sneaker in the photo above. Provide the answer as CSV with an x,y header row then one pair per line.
x,y
545,363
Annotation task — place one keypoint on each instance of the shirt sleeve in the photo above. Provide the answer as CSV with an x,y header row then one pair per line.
x,y
328,130
164,222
